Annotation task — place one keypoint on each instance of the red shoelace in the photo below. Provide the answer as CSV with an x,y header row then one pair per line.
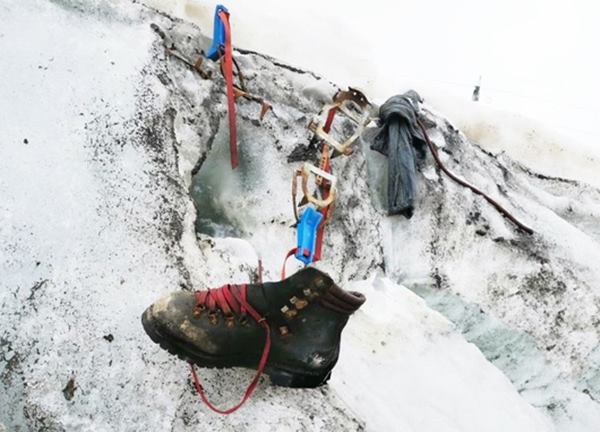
x,y
231,299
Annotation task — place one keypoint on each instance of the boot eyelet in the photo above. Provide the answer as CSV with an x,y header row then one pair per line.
x,y
197,311
291,313
310,294
243,320
300,304
212,318
229,321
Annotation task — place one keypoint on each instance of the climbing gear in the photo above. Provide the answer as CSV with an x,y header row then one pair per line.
x,y
219,34
172,51
197,65
304,173
321,175
312,221
325,165
222,50
222,46
239,90
236,73
307,235
290,330
309,250
352,104
265,106
464,183
291,253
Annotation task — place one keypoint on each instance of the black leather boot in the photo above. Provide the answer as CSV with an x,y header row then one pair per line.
x,y
302,315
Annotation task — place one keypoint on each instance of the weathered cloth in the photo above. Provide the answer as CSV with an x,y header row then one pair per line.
x,y
398,138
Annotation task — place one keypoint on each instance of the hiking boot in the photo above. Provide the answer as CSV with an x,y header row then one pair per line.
x,y
300,319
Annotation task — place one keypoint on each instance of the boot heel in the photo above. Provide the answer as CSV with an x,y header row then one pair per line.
x,y
284,378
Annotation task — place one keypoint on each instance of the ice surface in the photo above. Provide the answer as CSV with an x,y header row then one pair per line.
x,y
523,361
404,365
101,132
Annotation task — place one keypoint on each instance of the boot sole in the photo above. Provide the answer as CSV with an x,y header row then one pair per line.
x,y
279,376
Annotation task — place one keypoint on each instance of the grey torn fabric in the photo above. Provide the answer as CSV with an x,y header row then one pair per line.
x,y
398,138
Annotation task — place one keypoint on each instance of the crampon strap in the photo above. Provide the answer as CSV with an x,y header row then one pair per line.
x,y
232,298
324,190
228,72
289,254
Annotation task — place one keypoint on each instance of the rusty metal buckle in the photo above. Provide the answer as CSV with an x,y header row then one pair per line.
x,y
351,103
305,172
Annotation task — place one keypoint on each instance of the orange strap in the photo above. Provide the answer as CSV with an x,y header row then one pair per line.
x,y
228,71
324,189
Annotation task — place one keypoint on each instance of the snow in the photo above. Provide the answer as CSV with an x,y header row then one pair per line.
x,y
539,77
404,366
97,221
518,356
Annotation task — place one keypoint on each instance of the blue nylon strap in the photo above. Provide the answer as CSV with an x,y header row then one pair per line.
x,y
214,52
307,235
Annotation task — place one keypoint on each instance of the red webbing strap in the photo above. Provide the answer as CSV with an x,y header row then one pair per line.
x,y
329,121
289,254
261,364
228,70
324,190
